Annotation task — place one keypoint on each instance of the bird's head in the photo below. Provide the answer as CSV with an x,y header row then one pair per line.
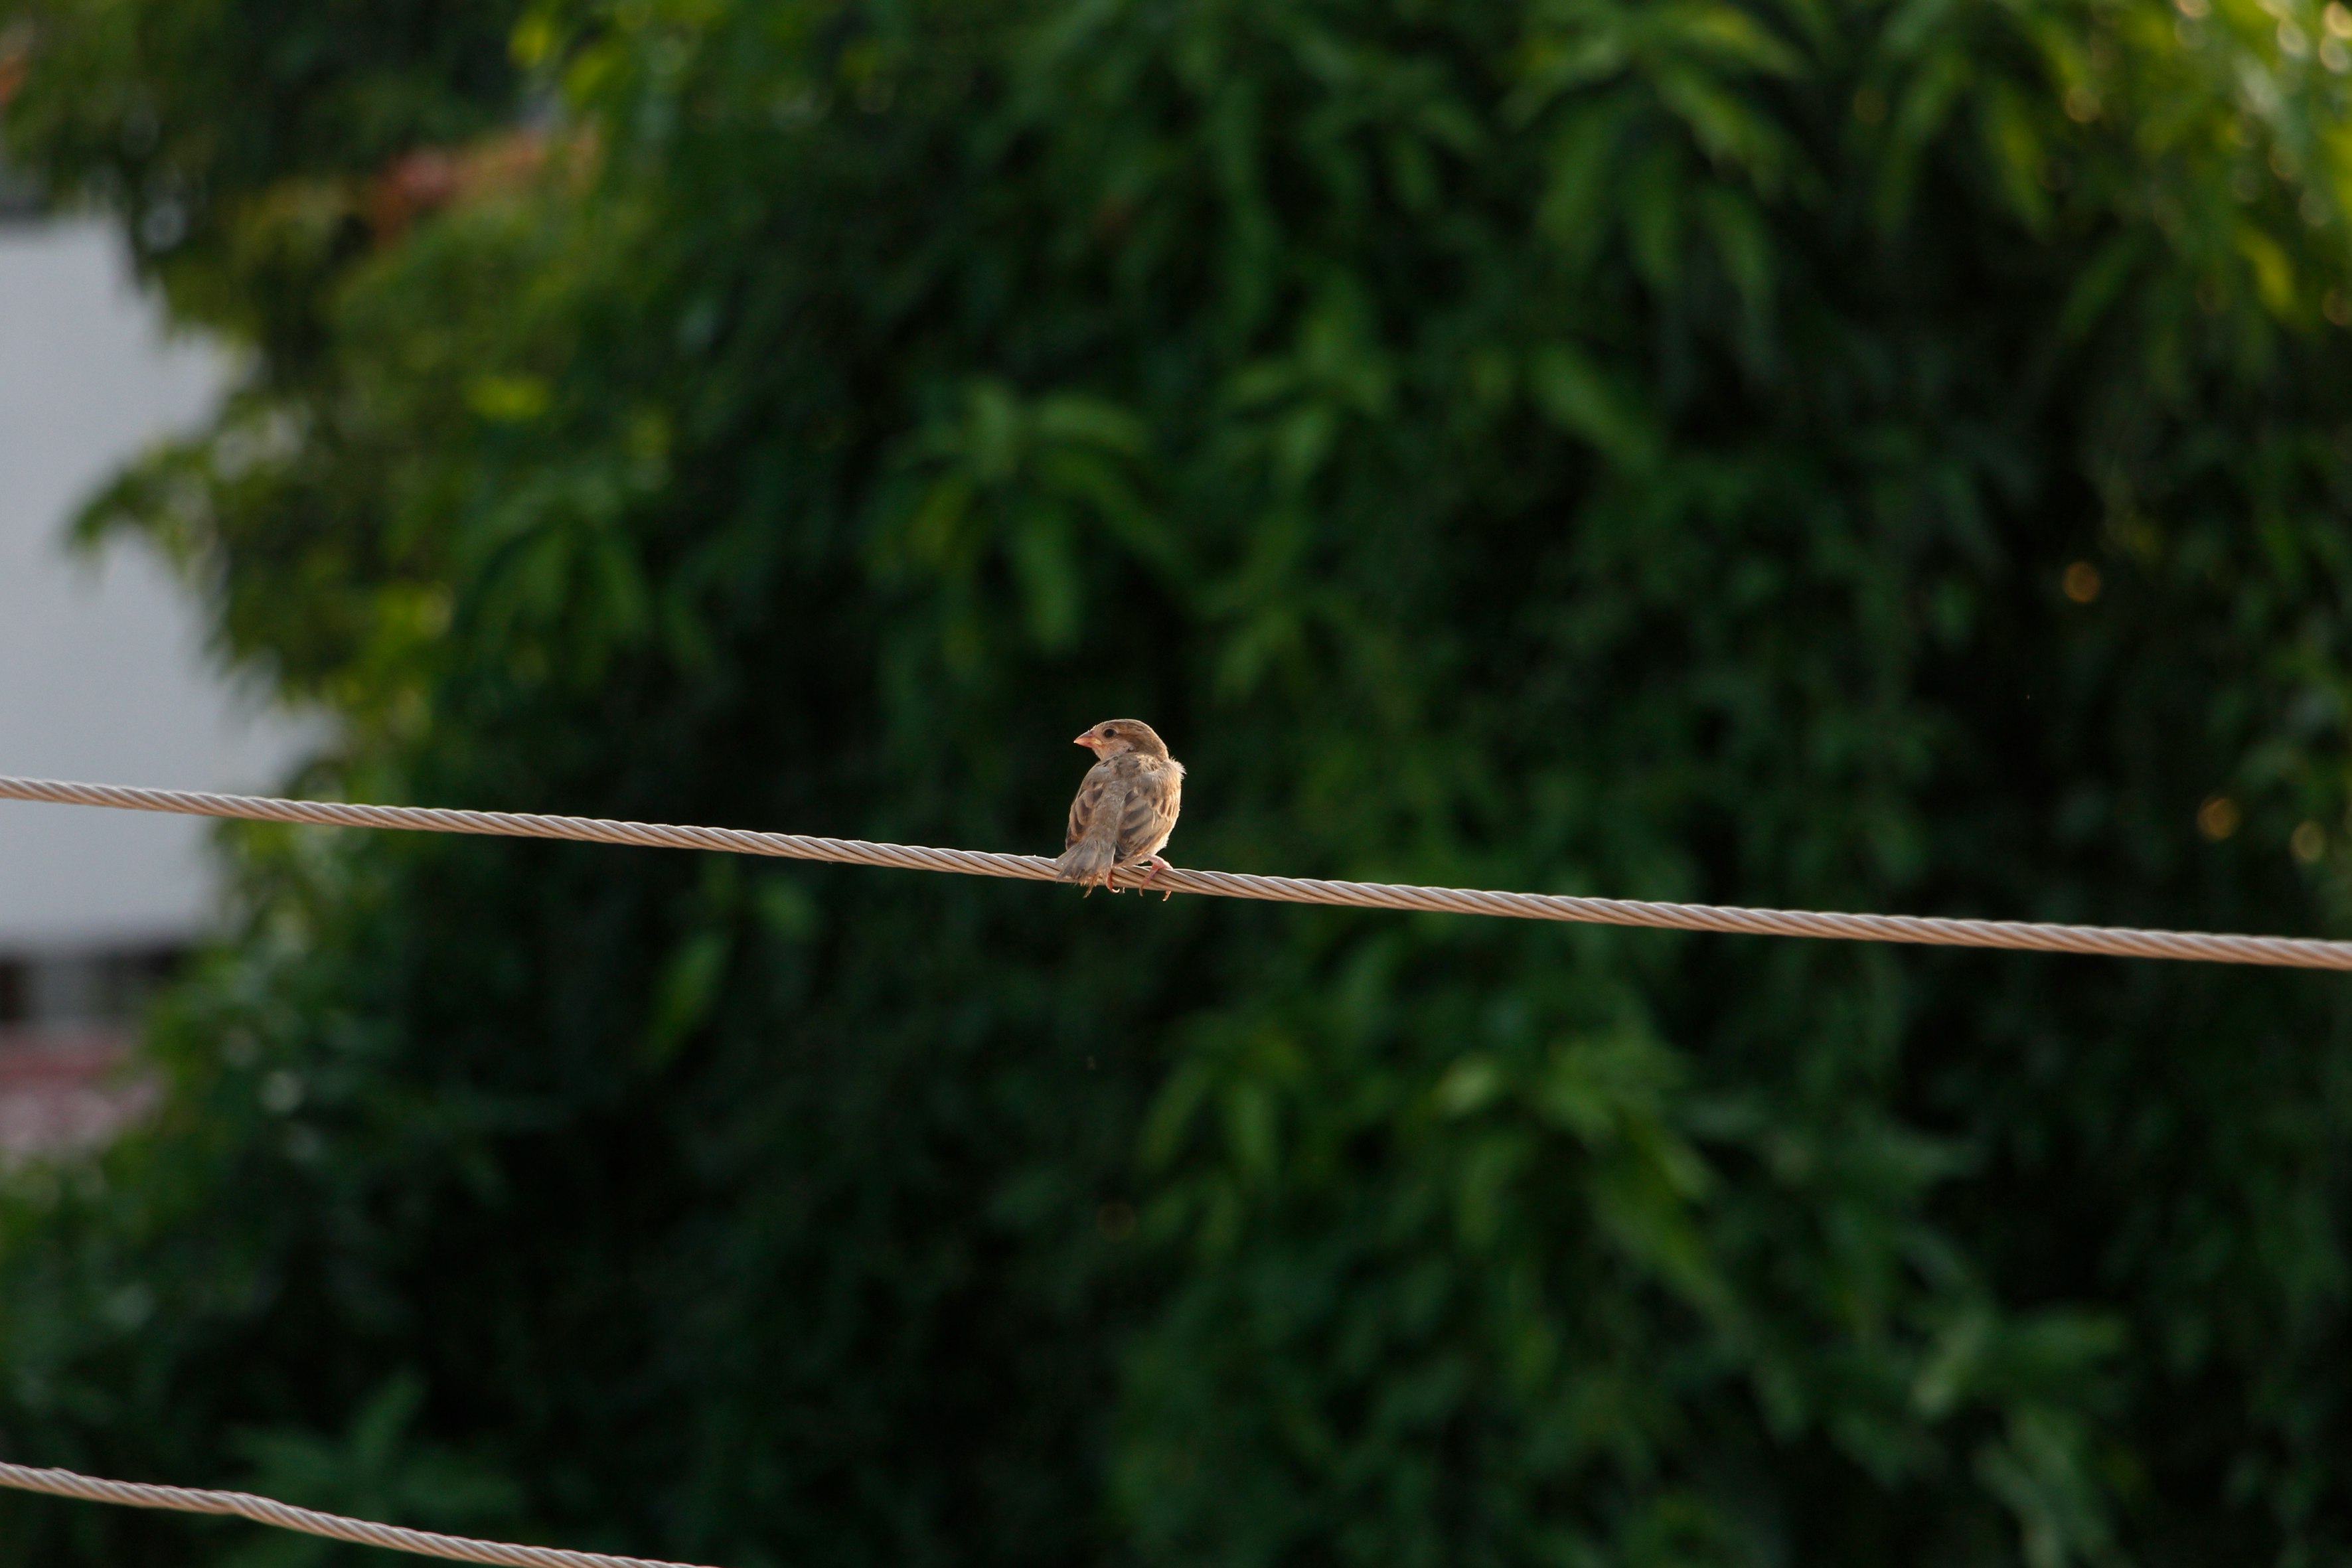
x,y
1115,737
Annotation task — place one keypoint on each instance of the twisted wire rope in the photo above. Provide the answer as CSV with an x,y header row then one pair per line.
x,y
2016,935
2296,953
309,1521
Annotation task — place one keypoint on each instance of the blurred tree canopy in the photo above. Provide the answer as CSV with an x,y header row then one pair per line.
x,y
1822,453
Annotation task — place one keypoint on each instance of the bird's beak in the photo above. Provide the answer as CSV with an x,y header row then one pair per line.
x,y
1085,740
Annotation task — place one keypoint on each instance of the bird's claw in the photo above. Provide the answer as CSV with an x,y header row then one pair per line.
x,y
1108,880
1157,866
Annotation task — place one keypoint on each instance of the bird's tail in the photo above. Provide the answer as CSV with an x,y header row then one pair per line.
x,y
1087,861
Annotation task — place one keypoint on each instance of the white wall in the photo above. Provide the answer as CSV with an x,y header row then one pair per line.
x,y
104,675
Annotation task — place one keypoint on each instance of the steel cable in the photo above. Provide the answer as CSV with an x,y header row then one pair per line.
x,y
309,1521
2017,935
2297,953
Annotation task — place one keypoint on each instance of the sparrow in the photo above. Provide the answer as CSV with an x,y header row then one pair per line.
x,y
1126,807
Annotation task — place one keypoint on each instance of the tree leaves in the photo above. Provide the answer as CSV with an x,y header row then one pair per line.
x,y
1823,455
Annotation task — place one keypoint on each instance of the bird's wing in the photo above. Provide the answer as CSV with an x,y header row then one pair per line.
x,y
1148,814
1099,799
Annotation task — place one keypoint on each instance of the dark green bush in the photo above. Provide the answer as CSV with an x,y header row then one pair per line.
x,y
1825,455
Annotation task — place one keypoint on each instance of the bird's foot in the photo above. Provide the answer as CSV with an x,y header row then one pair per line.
x,y
1157,866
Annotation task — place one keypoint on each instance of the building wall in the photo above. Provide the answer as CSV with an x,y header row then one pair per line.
x,y
102,670
103,676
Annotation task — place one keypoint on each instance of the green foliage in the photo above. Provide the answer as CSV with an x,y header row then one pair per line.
x,y
1827,455
369,1474
231,137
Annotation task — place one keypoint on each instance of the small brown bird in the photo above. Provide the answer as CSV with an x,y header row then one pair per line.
x,y
1126,808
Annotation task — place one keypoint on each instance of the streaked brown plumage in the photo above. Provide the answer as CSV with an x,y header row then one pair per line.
x,y
1126,807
